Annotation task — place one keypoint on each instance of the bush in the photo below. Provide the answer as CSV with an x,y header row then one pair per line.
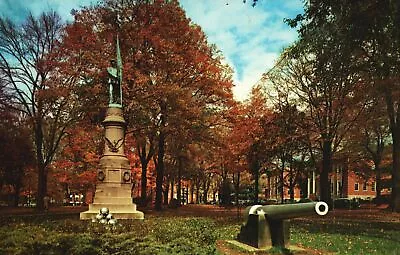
x,y
194,234
152,236
383,199
345,203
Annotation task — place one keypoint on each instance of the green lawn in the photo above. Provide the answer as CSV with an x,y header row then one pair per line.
x,y
168,234
349,236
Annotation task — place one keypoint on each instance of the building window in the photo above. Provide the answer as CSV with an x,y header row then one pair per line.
x,y
356,186
373,186
364,186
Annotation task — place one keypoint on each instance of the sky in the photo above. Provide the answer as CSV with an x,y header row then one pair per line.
x,y
250,38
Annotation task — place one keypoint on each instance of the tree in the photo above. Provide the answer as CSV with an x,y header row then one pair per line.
x,y
78,158
186,79
380,47
146,150
370,138
16,153
237,140
174,81
28,56
323,81
257,115
289,142
372,39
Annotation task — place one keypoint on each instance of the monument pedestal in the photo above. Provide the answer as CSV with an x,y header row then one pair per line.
x,y
113,189
117,198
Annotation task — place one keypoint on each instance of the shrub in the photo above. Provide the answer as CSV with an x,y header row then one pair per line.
x,y
74,237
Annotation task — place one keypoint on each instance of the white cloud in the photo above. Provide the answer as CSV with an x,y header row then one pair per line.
x,y
250,38
64,7
257,63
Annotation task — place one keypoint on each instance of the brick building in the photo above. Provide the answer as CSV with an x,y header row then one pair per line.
x,y
344,183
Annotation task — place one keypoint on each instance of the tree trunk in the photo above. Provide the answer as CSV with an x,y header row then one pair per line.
x,y
166,191
378,181
42,187
237,187
395,197
291,182
143,182
291,190
394,118
206,187
256,179
325,192
17,188
192,192
41,167
282,182
172,189
160,172
179,184
197,191
187,194
145,157
160,157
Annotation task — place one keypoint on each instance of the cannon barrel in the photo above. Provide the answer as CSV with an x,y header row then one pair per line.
x,y
288,211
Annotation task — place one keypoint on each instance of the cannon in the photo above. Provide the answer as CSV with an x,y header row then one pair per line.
x,y
268,225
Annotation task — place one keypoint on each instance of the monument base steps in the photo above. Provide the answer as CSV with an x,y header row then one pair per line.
x,y
117,198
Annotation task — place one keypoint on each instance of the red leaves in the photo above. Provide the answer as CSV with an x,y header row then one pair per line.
x,y
78,161
246,128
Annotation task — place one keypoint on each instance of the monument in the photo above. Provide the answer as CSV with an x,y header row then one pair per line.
x,y
113,189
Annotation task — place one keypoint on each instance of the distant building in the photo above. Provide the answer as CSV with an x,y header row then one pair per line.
x,y
345,183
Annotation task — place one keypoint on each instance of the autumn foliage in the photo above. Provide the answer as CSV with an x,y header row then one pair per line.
x,y
184,130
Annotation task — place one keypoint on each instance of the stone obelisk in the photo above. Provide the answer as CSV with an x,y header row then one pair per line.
x,y
113,189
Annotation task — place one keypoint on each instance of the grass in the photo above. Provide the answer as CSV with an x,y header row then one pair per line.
x,y
348,236
168,234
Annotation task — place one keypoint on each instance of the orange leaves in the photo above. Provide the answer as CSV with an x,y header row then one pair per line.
x,y
78,36
246,128
77,162
87,177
